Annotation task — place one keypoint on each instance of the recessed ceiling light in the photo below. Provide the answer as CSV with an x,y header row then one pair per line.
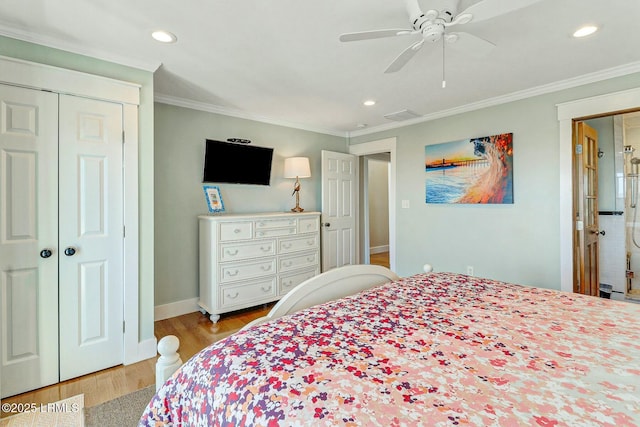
x,y
369,102
585,31
164,36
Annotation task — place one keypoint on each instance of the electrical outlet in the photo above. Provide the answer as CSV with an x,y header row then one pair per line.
x,y
469,270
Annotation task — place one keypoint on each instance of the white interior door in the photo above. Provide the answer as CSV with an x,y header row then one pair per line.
x,y
339,209
91,236
28,239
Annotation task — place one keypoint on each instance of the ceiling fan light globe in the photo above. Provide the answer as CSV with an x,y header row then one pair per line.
x,y
433,32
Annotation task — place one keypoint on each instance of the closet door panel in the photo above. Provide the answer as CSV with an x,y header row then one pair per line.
x,y
28,239
91,236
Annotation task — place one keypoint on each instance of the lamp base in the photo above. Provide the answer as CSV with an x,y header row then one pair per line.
x,y
297,209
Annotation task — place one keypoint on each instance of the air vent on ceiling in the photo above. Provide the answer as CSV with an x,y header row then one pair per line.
x,y
399,116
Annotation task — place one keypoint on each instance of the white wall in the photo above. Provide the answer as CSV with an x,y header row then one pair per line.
x,y
516,243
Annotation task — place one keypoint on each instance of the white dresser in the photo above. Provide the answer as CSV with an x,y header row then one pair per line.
x,y
252,259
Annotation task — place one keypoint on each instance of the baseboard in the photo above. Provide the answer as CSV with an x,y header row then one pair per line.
x,y
378,249
178,308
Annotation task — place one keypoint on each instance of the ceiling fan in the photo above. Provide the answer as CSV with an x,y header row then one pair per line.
x,y
433,26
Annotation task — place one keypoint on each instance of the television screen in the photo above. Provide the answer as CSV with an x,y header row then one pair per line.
x,y
225,162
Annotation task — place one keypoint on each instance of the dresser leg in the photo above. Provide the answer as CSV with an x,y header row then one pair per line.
x,y
214,318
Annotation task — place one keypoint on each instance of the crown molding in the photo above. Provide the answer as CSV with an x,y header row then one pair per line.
x,y
597,76
54,43
217,109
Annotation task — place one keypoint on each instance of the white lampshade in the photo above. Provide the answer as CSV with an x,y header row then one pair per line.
x,y
297,167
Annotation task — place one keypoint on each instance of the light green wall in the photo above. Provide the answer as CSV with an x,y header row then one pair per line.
x,y
179,156
606,163
378,203
516,243
44,55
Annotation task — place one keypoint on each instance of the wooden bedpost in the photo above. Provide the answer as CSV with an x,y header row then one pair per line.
x,y
169,360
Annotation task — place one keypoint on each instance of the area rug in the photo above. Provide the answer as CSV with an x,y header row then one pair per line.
x,y
64,413
125,411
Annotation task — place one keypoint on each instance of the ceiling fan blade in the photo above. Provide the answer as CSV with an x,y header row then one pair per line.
x,y
376,34
487,9
470,45
402,59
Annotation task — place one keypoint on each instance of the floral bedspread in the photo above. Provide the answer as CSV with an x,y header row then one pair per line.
x,y
434,349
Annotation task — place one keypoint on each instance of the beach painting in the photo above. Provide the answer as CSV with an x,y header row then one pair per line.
x,y
475,170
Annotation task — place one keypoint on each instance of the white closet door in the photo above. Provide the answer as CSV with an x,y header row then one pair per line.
x,y
28,228
91,236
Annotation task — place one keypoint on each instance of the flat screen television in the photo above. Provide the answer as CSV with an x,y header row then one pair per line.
x,y
231,163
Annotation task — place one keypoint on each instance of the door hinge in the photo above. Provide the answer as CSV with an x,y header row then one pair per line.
x,y
124,231
123,326
578,148
123,137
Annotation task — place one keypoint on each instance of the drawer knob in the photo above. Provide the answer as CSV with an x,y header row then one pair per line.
x,y
234,296
266,290
266,267
234,253
232,274
263,249
288,263
286,245
237,230
310,258
310,242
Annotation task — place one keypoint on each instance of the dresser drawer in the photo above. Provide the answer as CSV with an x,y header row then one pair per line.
x,y
308,225
291,280
239,251
247,270
248,293
297,244
262,224
275,232
294,262
236,231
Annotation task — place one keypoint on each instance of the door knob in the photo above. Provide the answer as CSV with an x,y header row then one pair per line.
x,y
602,232
45,253
326,224
70,251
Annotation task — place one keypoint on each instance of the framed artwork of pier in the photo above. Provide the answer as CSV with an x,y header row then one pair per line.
x,y
474,170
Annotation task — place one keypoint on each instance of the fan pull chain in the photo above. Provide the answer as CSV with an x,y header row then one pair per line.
x,y
444,81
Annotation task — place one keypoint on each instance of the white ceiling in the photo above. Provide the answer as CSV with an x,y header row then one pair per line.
x,y
281,61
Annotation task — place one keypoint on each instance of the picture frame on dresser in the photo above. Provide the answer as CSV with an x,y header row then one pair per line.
x,y
214,198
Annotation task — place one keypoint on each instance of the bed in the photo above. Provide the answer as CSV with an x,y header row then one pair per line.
x,y
430,349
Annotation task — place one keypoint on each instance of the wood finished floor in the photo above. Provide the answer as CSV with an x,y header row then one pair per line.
x,y
195,332
380,259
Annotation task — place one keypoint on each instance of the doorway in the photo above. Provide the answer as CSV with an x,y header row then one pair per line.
x,y
568,113
375,213
387,147
617,261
